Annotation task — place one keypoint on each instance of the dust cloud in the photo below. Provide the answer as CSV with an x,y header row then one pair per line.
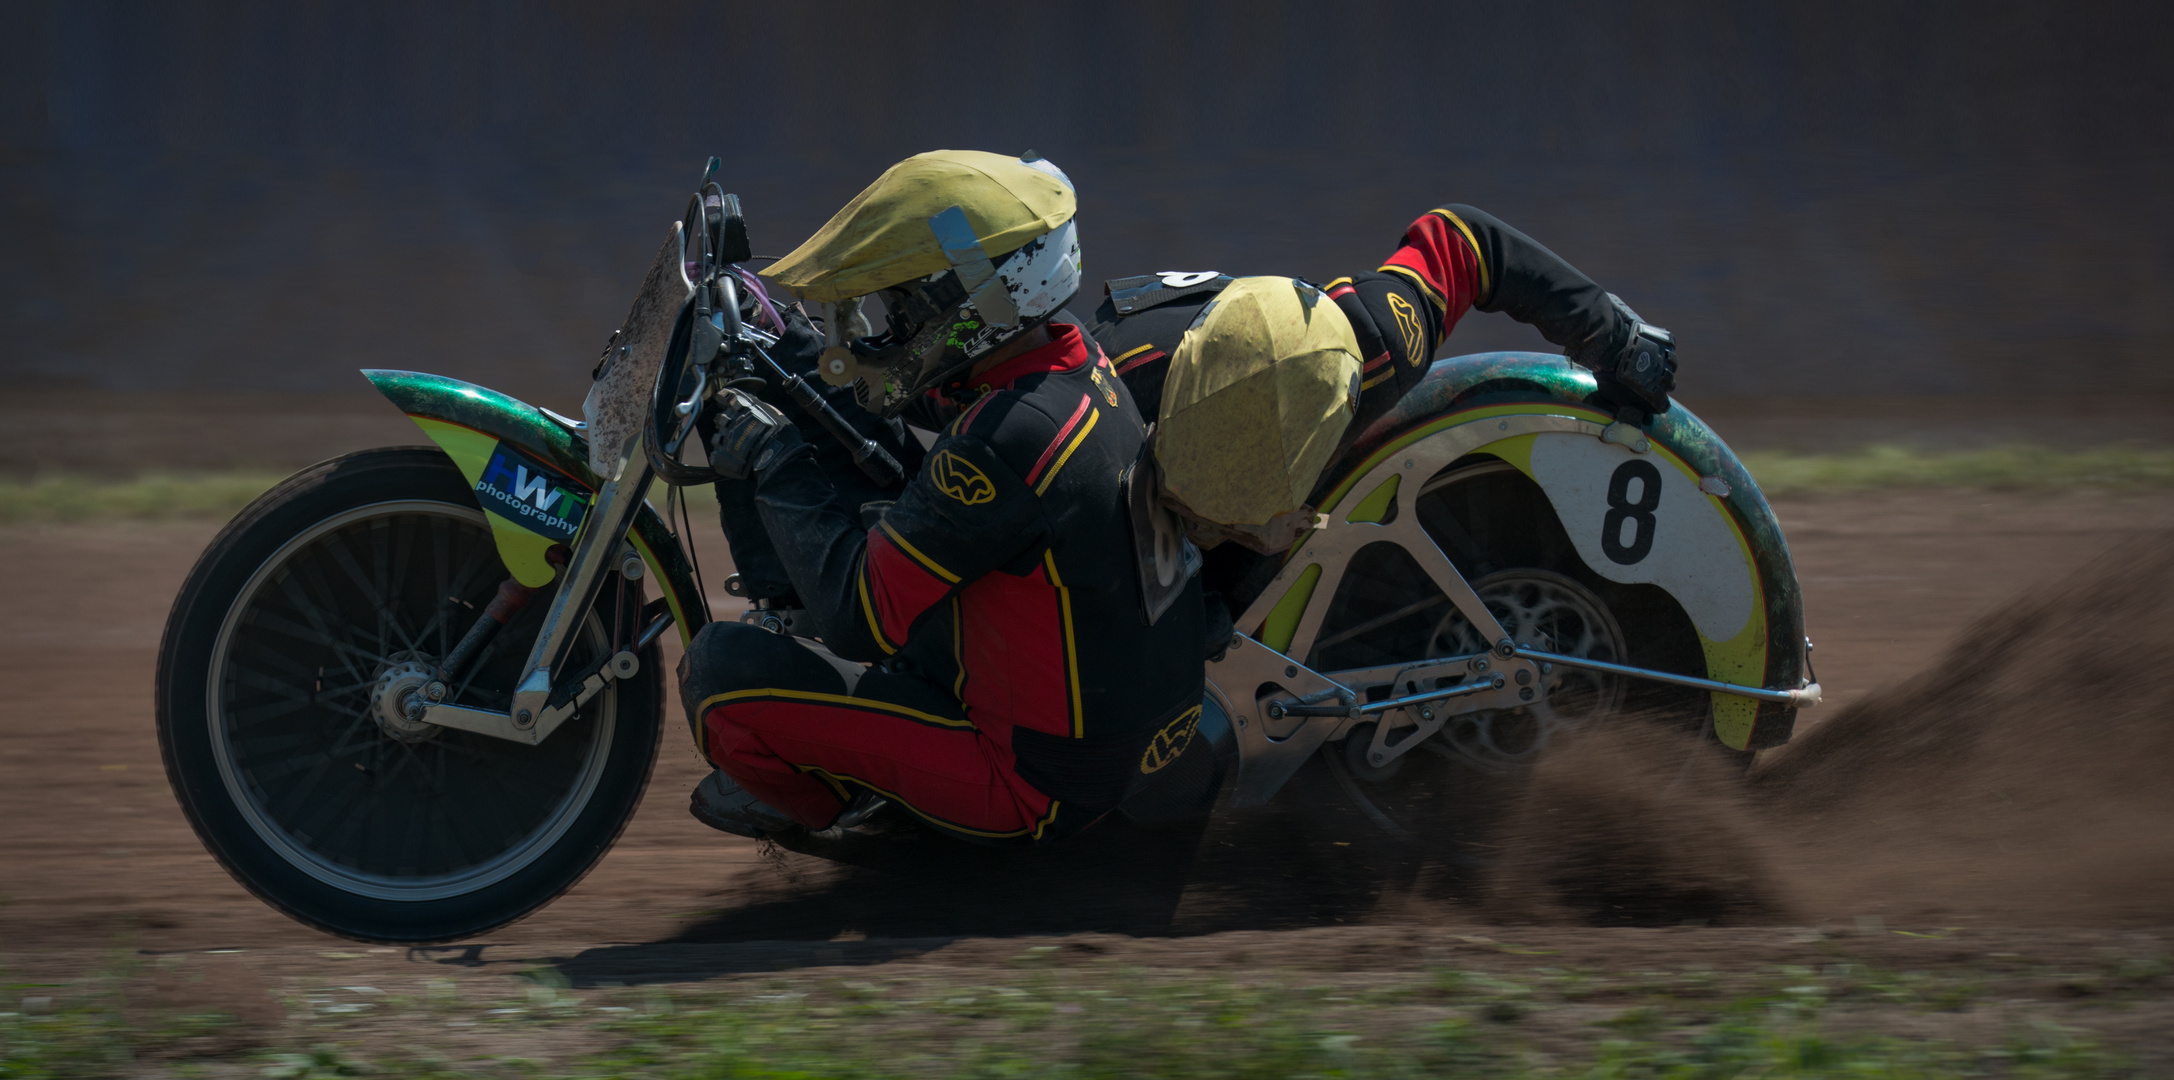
x,y
2022,779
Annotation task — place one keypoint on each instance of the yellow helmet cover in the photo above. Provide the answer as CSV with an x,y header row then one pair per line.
x,y
1257,395
882,238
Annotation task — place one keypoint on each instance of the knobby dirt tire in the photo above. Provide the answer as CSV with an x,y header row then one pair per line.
x,y
320,812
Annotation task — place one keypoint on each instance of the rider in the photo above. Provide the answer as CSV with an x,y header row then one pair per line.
x,y
1016,686
1452,260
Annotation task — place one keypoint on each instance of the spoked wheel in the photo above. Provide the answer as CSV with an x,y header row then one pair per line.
x,y
285,684
1499,529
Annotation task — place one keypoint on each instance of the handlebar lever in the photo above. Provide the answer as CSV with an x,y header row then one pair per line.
x,y
873,460
728,306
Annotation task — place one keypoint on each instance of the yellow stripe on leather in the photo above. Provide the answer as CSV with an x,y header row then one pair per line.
x,y
864,704
958,652
1425,289
1130,353
839,778
1474,241
1092,418
875,626
1047,818
1071,650
927,563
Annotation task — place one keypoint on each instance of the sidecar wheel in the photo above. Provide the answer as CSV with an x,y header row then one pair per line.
x,y
1500,531
344,580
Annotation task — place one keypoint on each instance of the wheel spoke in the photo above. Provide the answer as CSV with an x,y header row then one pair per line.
x,y
259,680
367,583
357,598
349,655
330,632
293,740
341,838
291,765
441,567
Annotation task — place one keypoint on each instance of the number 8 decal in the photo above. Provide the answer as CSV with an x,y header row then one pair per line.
x,y
1640,513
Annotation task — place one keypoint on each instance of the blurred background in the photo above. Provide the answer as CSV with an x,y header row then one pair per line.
x,y
1863,220
1917,253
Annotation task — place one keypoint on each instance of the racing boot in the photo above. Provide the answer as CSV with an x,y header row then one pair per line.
x,y
723,804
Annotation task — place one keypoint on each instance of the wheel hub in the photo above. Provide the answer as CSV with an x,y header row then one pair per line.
x,y
1545,610
397,702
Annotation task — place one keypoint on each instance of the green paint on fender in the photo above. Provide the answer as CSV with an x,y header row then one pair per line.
x,y
1282,624
468,421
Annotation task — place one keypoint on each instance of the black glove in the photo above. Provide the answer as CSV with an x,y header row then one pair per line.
x,y
749,435
1636,365
799,346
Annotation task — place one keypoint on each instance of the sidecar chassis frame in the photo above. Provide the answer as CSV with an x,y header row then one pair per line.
x,y
1283,711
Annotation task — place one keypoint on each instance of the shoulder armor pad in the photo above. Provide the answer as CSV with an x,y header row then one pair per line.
x,y
1131,294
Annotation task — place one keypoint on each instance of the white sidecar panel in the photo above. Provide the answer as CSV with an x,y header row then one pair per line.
x,y
1641,519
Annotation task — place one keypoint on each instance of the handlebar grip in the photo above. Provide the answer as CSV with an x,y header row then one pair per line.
x,y
732,245
872,459
878,463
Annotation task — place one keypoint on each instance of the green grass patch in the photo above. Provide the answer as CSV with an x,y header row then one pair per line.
x,y
94,1028
1041,1020
2018,467
214,496
205,496
219,495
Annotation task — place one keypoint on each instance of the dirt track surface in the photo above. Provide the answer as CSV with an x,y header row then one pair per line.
x,y
97,857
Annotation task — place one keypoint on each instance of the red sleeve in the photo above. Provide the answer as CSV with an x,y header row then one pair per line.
x,y
898,584
1441,257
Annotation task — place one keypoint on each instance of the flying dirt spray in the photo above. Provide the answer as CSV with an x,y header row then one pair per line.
x,y
2022,778
2019,780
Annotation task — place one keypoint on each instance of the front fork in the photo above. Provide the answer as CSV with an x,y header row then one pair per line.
x,y
536,710
609,517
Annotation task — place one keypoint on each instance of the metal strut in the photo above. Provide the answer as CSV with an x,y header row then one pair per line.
x,y
1803,698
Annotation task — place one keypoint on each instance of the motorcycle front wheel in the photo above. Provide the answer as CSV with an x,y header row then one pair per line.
x,y
325,596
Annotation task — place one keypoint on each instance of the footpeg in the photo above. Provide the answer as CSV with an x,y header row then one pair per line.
x,y
786,621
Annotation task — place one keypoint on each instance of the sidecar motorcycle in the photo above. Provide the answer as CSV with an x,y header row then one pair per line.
x,y
412,694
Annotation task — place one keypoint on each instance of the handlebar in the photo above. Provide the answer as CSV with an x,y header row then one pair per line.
x,y
719,335
717,241
873,460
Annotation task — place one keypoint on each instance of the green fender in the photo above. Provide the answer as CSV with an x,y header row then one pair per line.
x,y
1465,388
471,422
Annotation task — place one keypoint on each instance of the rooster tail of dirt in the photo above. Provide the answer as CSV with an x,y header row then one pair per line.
x,y
2023,776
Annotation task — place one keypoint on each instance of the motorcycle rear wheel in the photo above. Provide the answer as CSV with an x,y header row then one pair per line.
x,y
328,590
